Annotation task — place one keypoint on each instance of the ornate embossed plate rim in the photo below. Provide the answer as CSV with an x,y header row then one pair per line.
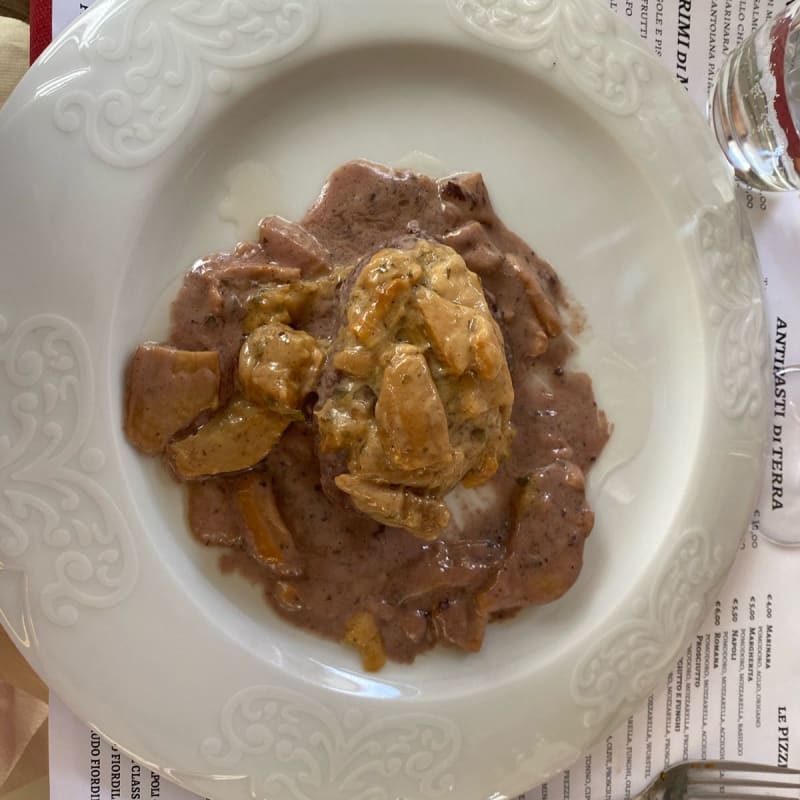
x,y
609,68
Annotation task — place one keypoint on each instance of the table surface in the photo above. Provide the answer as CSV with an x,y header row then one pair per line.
x,y
23,728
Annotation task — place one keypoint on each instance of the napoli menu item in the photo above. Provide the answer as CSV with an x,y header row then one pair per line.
x,y
372,414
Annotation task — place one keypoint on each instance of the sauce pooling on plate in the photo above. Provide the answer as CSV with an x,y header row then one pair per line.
x,y
374,417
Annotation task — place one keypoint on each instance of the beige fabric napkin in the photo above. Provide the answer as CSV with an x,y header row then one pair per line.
x,y
13,54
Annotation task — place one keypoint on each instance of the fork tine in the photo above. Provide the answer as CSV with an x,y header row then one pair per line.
x,y
731,780
690,792
739,766
724,779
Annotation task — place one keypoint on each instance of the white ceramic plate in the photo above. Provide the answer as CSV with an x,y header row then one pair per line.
x,y
114,157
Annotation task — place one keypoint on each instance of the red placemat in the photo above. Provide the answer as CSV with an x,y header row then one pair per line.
x,y
41,25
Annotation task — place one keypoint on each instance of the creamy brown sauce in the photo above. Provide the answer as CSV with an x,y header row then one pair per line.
x,y
522,545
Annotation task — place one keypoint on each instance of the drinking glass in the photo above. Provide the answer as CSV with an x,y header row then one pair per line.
x,y
755,105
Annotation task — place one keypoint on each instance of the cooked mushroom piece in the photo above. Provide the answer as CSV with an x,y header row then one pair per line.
x,y
269,540
296,303
422,515
412,424
278,366
235,439
362,632
447,326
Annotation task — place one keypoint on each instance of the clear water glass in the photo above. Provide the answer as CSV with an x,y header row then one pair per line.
x,y
755,105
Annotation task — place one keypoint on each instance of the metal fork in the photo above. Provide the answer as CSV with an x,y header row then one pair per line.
x,y
724,780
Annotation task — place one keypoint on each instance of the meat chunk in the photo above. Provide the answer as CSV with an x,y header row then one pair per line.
x,y
251,265
461,623
291,245
465,197
213,517
542,305
472,243
379,204
235,439
446,569
166,390
244,277
549,523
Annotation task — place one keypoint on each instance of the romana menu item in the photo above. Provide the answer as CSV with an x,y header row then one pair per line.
x,y
374,417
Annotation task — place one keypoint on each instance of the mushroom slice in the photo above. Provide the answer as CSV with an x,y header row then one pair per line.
x,y
412,423
362,632
234,439
448,328
422,515
268,538
279,366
